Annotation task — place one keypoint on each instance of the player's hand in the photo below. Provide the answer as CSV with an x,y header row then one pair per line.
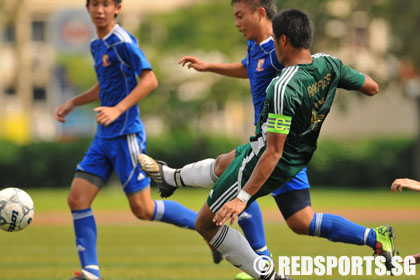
x,y
106,115
193,62
417,258
399,184
230,210
63,110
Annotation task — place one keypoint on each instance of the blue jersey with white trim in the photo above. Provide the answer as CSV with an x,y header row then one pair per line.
x,y
118,62
262,66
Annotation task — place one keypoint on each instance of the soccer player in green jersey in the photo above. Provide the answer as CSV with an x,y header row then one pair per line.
x,y
297,102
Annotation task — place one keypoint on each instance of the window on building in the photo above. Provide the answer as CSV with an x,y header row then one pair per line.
x,y
9,33
39,93
10,90
39,31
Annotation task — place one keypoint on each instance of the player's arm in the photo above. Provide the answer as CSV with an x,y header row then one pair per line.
x,y
260,174
352,79
88,96
235,70
148,82
369,87
399,184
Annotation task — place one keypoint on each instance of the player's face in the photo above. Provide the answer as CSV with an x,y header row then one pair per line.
x,y
246,20
103,12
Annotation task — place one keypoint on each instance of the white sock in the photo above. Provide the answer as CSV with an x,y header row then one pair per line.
x,y
236,249
168,175
199,174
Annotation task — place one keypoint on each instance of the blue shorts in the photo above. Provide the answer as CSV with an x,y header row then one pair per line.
x,y
119,154
299,182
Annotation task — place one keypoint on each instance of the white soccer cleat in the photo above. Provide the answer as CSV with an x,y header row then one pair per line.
x,y
153,169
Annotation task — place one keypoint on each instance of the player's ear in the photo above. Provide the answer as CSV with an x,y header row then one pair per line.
x,y
283,40
117,9
262,12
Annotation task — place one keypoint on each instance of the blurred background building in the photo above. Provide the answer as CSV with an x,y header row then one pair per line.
x,y
32,83
33,32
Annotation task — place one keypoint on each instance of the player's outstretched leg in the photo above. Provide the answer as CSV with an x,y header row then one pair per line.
x,y
339,229
198,174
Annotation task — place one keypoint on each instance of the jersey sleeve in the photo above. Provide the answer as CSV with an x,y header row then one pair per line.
x,y
350,79
135,57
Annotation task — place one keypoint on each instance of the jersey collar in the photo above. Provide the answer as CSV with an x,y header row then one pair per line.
x,y
267,44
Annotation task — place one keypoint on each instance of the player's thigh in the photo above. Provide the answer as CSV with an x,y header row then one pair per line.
x,y
82,193
141,204
292,202
123,153
227,186
223,160
296,209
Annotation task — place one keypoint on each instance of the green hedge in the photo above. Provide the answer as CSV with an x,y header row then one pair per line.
x,y
52,164
367,163
336,163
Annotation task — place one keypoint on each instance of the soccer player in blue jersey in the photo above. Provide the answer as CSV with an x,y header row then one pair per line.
x,y
293,199
120,135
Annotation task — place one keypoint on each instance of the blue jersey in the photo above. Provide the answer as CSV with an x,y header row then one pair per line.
x,y
262,66
118,62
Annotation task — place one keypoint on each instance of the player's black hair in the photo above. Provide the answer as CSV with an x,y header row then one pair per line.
x,y
296,25
115,1
269,6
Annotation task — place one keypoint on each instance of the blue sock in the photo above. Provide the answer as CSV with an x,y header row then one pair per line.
x,y
338,229
174,213
85,231
252,225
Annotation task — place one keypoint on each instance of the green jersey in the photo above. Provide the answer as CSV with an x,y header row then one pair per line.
x,y
297,102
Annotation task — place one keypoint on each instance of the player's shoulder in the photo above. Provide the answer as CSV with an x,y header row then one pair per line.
x,y
326,58
119,35
284,80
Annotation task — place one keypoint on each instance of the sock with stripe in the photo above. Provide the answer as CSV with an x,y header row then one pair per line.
x,y
85,231
174,213
338,229
199,174
236,249
252,225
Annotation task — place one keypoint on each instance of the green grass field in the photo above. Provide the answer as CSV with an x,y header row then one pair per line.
x,y
147,250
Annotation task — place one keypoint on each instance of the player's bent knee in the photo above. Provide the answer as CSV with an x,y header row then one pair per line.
x,y
299,227
141,212
219,166
222,162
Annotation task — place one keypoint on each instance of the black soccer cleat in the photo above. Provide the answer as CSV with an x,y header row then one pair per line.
x,y
153,169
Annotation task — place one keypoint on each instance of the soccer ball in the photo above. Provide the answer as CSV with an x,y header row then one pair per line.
x,y
16,209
